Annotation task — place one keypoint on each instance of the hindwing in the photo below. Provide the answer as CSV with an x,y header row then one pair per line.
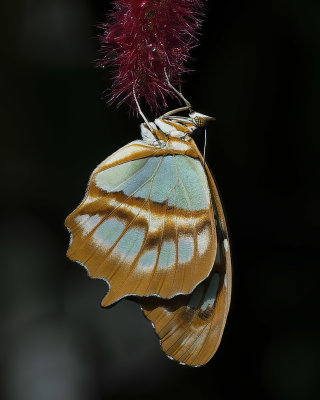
x,y
146,224
190,327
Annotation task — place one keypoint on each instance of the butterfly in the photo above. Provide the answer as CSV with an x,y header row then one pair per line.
x,y
152,225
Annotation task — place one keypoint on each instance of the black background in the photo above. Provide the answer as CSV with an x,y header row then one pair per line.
x,y
257,72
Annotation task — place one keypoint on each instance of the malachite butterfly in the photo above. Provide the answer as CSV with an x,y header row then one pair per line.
x,y
152,225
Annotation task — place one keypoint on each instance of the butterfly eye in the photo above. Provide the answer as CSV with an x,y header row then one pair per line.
x,y
200,120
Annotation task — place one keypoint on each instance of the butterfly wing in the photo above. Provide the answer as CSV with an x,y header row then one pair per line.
x,y
190,327
146,223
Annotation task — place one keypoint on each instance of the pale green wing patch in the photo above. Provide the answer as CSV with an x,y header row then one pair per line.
x,y
156,177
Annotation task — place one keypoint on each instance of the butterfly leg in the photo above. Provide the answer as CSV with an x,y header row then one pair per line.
x,y
188,105
140,111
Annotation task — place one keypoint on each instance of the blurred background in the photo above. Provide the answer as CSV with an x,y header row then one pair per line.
x,y
257,72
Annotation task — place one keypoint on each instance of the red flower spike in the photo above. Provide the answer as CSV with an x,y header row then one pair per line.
x,y
145,38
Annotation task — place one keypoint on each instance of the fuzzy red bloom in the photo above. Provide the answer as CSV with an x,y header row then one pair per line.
x,y
145,38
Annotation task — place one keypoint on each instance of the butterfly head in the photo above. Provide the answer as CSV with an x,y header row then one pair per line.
x,y
199,120
186,125
171,126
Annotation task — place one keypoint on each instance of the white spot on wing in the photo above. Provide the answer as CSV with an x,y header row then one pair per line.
x,y
156,221
226,244
203,240
87,222
185,248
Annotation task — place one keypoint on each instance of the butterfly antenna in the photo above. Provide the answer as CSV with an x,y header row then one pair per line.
x,y
140,111
205,146
186,107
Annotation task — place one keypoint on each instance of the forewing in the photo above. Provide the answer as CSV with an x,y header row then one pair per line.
x,y
190,327
145,224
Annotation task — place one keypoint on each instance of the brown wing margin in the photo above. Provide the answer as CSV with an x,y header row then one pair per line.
x,y
190,327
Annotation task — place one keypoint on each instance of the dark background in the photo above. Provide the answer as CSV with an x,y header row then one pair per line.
x,y
258,72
